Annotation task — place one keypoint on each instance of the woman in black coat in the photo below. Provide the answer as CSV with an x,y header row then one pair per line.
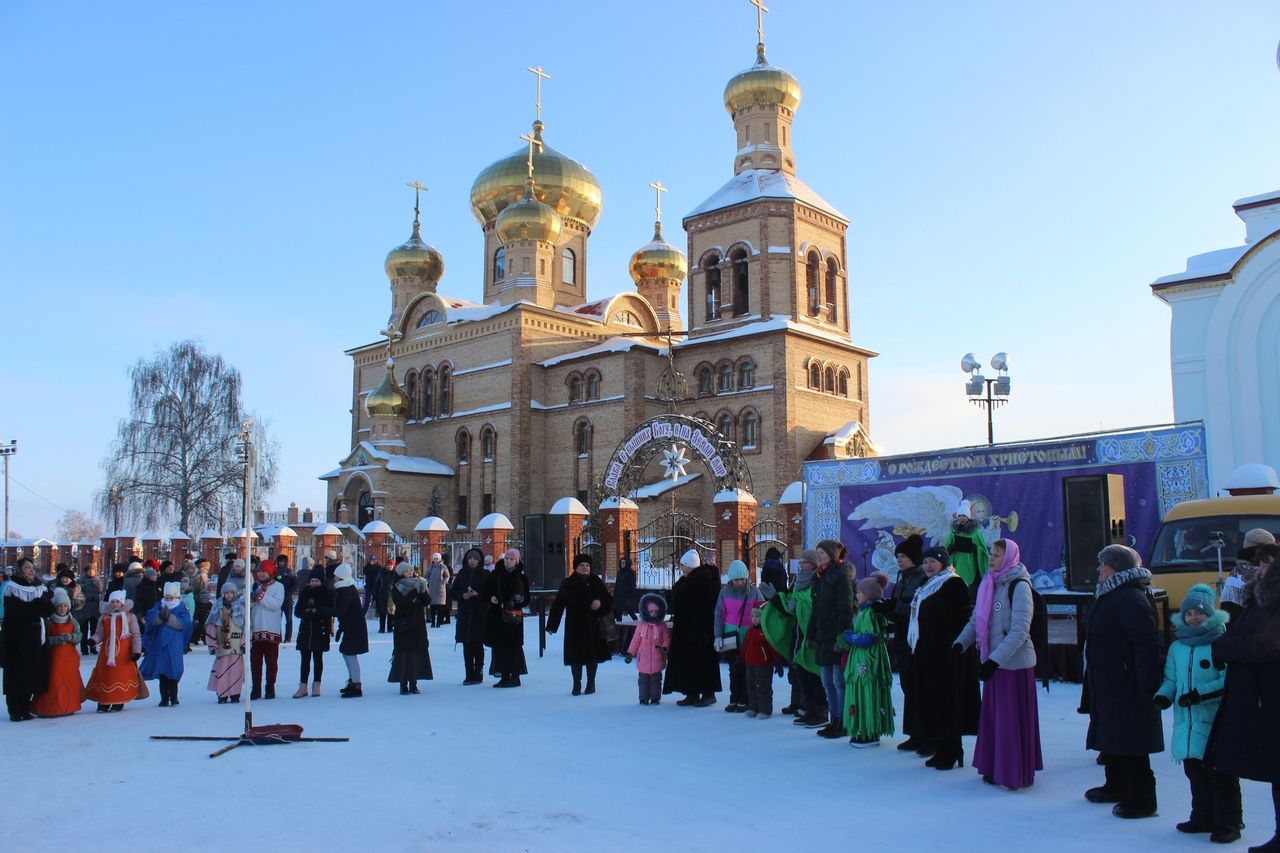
x,y
1245,741
897,606
410,652
693,666
625,594
26,659
581,600
831,616
353,633
1122,672
946,704
467,589
315,614
507,590
382,579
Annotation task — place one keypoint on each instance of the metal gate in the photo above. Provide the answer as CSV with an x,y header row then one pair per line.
x,y
661,542
760,537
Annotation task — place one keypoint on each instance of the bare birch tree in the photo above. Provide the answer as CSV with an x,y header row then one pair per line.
x,y
174,461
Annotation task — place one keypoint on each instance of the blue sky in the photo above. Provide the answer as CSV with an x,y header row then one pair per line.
x,y
1016,175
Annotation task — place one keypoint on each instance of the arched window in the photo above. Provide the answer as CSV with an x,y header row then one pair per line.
x,y
582,437
704,379
431,317
575,388
488,444
724,423
815,375
568,266
830,375
811,268
750,429
499,264
833,276
364,509
428,407
740,283
593,385
411,391
712,265
747,374
725,382
464,447
844,382
627,318
860,397
446,395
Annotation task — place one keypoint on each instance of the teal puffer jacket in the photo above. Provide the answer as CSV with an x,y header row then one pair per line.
x,y
1187,668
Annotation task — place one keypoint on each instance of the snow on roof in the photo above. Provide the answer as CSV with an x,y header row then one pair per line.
x,y
756,184
431,522
211,534
124,534
733,496
773,324
496,407
495,521
618,503
793,494
843,435
612,344
178,534
590,309
1217,262
661,487
378,526
275,531
568,506
504,363
239,534
87,542
1263,198
327,530
398,463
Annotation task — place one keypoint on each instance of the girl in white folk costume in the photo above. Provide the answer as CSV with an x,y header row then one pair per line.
x,y
115,679
224,635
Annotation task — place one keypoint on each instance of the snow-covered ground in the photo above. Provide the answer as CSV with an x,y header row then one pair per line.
x,y
472,768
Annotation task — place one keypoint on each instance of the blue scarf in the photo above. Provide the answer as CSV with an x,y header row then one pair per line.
x,y
1203,634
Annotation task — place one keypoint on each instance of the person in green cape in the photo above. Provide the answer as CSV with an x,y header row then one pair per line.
x,y
967,547
785,623
868,678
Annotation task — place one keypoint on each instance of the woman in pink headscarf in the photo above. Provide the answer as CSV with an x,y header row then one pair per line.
x,y
1008,749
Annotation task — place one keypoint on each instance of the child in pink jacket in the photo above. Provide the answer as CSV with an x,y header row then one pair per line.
x,y
649,647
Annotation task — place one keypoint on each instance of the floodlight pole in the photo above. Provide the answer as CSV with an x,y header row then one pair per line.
x,y
985,398
6,451
246,443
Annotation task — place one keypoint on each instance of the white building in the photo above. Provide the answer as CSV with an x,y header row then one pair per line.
x,y
1225,342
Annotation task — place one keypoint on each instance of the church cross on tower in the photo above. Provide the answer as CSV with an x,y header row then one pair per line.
x,y
658,190
418,190
540,75
761,9
531,139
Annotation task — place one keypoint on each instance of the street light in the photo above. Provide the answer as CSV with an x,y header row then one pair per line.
x,y
985,392
7,450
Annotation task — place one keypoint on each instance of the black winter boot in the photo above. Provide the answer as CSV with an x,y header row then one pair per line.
x,y
1113,789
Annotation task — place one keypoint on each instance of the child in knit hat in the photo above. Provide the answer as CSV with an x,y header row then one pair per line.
x,y
762,663
649,645
868,703
65,692
732,619
1193,684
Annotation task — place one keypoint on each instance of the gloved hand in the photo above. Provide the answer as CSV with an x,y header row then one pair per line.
x,y
137,656
718,644
337,637
987,669
627,658
164,615
848,636
957,650
767,590
1162,702
777,670
1191,697
791,605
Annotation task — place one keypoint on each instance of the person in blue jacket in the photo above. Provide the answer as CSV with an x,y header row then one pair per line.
x,y
165,635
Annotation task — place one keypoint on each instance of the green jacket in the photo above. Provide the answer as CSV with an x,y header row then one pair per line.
x,y
787,614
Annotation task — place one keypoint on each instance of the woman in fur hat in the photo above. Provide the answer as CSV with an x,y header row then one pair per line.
x,y
26,661
164,639
315,616
224,635
897,606
65,692
693,667
467,589
353,632
410,654
581,600
1245,741
507,589
115,680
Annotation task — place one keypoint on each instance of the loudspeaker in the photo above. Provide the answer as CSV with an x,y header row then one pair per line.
x,y
544,550
1093,512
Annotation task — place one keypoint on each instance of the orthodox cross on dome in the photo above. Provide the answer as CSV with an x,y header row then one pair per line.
x,y
531,139
418,190
658,190
392,335
541,75
761,9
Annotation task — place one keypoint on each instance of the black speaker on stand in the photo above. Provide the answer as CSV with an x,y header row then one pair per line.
x,y
1093,512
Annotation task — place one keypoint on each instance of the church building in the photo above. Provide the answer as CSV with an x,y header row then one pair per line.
x,y
509,403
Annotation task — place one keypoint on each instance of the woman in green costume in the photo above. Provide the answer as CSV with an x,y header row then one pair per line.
x,y
868,678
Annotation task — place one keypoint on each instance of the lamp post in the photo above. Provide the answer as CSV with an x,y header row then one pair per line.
x,y
115,495
987,392
7,450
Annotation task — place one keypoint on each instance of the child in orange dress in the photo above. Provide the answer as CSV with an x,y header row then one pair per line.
x,y
115,679
65,693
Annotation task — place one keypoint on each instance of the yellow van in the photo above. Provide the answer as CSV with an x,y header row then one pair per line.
x,y
1186,546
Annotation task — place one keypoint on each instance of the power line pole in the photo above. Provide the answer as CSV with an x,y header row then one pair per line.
x,y
7,450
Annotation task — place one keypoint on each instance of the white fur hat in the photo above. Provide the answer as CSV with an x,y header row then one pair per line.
x,y
435,555
117,595
965,509
691,559
173,588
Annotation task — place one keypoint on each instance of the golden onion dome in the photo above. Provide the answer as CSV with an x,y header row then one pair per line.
x,y
528,219
564,184
658,259
761,84
387,400
415,258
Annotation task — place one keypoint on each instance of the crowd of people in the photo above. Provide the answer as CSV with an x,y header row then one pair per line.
x,y
960,637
